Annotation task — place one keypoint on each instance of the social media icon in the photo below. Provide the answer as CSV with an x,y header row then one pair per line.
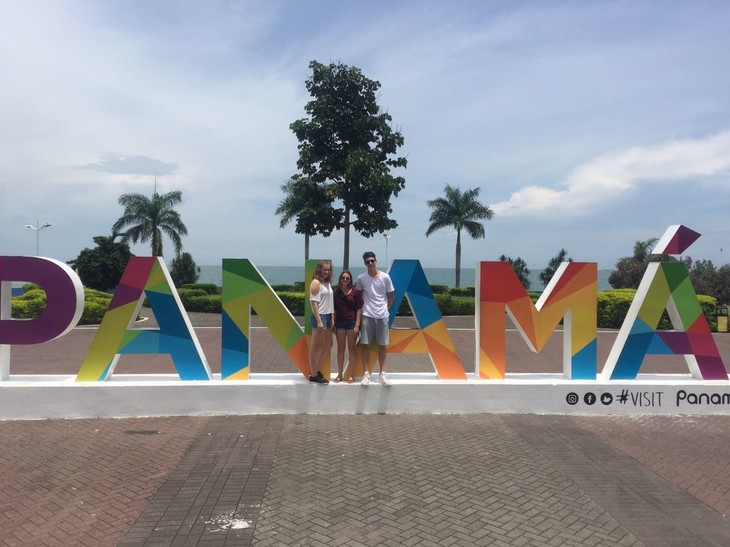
x,y
572,398
589,398
606,398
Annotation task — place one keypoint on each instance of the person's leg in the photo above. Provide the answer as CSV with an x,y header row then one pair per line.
x,y
327,342
314,351
351,353
383,338
382,353
342,341
367,332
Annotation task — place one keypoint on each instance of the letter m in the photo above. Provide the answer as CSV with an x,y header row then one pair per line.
x,y
570,296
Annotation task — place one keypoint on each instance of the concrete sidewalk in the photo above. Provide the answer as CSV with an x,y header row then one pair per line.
x,y
366,480
361,479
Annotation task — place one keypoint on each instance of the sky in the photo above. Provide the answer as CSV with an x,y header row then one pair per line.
x,y
586,125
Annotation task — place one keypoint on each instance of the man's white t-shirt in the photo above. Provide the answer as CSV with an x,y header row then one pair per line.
x,y
375,294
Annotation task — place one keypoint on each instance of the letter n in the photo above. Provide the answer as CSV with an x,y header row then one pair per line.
x,y
665,286
570,295
145,276
432,336
244,288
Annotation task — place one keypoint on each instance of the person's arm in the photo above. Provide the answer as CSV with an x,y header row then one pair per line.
x,y
314,302
391,297
358,320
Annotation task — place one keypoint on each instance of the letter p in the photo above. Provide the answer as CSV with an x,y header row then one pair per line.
x,y
64,302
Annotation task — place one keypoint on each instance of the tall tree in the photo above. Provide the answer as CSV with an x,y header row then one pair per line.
x,y
520,268
149,218
184,270
307,202
463,211
102,267
547,274
630,269
348,148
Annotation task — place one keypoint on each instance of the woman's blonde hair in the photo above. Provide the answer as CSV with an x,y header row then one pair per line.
x,y
320,267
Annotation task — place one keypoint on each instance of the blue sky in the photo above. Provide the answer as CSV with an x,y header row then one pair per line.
x,y
587,125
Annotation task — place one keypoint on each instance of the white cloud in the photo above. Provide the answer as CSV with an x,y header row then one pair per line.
x,y
610,177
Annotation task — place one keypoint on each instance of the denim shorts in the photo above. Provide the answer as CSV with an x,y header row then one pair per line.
x,y
345,325
326,320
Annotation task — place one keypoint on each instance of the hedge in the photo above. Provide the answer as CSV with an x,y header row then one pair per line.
x,y
613,305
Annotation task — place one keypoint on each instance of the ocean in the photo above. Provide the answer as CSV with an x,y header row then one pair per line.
x,y
281,275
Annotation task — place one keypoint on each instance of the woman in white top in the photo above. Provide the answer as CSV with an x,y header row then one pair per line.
x,y
320,299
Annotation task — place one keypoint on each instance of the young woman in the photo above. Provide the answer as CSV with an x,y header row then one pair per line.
x,y
348,313
320,299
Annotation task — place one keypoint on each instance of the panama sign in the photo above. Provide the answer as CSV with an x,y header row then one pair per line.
x,y
571,297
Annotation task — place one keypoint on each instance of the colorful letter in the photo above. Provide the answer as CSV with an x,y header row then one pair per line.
x,y
145,276
432,336
571,295
64,303
665,286
245,288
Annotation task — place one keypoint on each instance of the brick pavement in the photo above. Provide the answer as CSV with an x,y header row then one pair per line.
x,y
364,480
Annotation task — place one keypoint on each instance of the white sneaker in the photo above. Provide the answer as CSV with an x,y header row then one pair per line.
x,y
365,379
383,379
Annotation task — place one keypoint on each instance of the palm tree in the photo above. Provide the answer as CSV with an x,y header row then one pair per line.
x,y
462,211
149,218
547,274
306,202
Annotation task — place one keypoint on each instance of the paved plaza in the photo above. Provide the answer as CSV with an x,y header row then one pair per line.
x,y
356,480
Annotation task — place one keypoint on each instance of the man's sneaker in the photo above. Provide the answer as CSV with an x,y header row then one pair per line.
x,y
365,379
318,380
383,379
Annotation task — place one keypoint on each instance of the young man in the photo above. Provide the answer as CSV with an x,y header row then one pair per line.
x,y
378,293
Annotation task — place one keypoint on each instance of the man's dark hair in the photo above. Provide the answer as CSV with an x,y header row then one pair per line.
x,y
368,254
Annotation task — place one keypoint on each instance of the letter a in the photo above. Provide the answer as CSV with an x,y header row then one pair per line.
x,y
145,276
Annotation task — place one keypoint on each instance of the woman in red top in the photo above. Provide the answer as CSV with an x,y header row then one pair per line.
x,y
348,313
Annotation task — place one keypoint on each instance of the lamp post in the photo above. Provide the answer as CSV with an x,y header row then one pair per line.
x,y
37,229
387,238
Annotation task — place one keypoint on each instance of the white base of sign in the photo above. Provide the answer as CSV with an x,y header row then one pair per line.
x,y
26,397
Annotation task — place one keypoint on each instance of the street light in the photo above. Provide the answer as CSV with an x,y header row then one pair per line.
x,y
387,237
37,229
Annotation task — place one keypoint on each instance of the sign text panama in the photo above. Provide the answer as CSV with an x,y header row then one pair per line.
x,y
571,296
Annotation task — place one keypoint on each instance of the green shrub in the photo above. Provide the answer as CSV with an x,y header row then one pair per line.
x,y
613,305
93,312
207,288
463,291
455,305
206,303
440,289
294,302
286,288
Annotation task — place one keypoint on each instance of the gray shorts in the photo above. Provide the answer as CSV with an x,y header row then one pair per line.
x,y
374,329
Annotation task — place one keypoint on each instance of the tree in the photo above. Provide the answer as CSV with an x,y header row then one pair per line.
x,y
547,274
703,275
629,270
102,267
308,203
150,218
347,147
520,268
463,211
183,270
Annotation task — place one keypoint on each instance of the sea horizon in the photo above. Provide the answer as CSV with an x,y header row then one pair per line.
x,y
286,275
